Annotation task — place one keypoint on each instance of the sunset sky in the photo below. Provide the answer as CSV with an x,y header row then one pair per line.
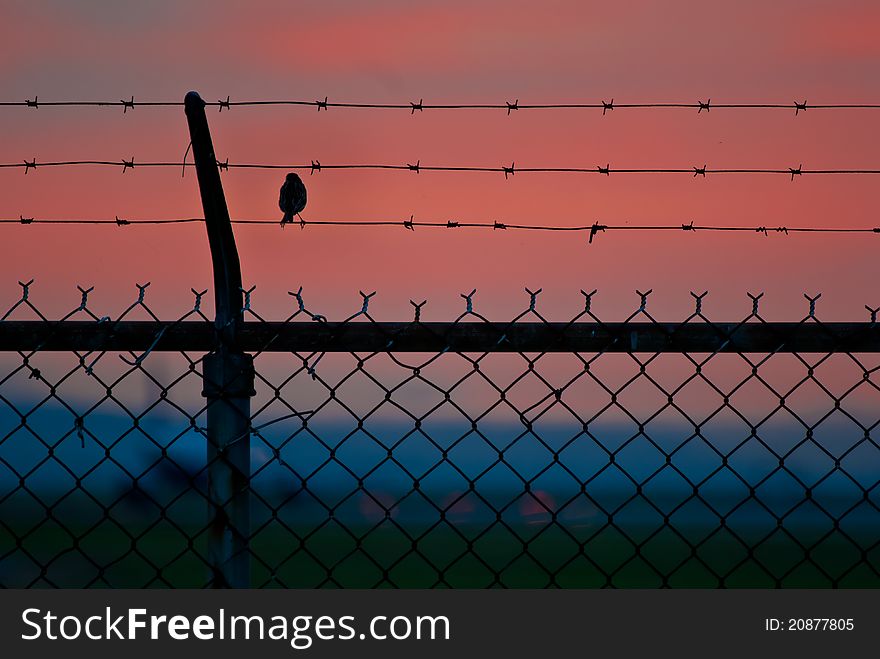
x,y
471,52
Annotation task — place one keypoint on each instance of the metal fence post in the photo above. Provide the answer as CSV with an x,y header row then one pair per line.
x,y
228,376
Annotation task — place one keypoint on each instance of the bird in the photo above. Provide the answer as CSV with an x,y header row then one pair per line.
x,y
293,197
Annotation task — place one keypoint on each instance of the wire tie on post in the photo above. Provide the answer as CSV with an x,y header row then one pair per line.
x,y
700,171
509,170
596,228
607,106
127,105
127,164
798,107
322,104
34,103
224,104
120,222
704,106
416,106
414,168
512,106
795,172
138,360
25,220
183,164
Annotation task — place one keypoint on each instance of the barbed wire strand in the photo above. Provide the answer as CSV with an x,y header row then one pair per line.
x,y
507,106
508,170
411,224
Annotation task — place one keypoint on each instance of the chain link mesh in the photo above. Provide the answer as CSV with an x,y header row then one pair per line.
x,y
490,469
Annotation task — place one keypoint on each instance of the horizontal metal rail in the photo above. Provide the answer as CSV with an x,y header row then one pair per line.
x,y
695,337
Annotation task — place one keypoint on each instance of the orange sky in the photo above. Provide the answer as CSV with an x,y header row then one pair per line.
x,y
397,51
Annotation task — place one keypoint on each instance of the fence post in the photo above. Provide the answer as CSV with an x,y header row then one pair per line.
x,y
228,376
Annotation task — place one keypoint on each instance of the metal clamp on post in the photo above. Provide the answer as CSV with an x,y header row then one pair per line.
x,y
228,376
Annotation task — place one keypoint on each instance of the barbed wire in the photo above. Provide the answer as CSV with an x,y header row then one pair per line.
x,y
507,106
508,170
495,225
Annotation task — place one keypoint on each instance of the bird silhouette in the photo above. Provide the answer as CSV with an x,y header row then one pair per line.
x,y
293,197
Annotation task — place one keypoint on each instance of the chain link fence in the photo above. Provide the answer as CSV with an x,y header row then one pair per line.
x,y
472,453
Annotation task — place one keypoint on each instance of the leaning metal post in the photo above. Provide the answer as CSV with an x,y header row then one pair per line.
x,y
228,376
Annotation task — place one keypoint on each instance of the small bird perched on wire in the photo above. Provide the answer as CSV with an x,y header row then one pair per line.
x,y
293,198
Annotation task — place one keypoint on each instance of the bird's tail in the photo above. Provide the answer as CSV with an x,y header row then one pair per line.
x,y
287,219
